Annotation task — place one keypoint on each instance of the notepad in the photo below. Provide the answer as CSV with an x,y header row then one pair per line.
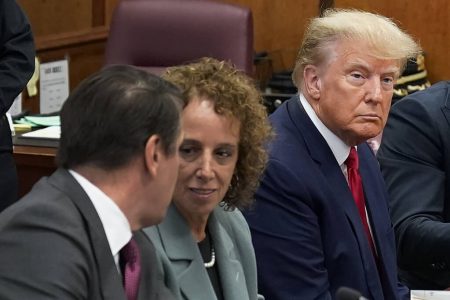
x,y
40,120
52,133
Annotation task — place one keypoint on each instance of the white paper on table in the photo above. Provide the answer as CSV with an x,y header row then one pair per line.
x,y
16,107
54,85
429,295
10,122
52,133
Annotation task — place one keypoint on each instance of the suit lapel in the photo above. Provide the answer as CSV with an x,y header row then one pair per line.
x,y
182,251
232,275
378,213
446,107
374,196
110,281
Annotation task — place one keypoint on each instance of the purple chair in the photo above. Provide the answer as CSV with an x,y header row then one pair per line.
x,y
157,34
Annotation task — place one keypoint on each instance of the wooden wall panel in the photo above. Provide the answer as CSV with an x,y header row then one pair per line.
x,y
427,21
84,50
58,16
279,27
109,9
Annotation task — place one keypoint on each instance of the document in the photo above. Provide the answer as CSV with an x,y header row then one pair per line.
x,y
10,122
429,295
51,133
54,85
16,107
35,121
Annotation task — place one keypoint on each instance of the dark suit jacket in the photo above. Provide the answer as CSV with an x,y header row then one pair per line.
x,y
16,67
307,233
53,246
415,161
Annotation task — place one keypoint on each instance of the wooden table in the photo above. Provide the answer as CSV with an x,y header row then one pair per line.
x,y
32,163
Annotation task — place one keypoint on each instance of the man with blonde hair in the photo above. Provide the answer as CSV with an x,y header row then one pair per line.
x,y
322,190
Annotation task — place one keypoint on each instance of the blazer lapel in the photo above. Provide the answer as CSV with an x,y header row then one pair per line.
x,y
232,275
185,257
110,281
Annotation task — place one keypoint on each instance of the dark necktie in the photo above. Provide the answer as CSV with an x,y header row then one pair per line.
x,y
356,187
130,262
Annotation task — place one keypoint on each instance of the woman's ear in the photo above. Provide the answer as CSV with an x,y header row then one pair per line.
x,y
152,154
312,81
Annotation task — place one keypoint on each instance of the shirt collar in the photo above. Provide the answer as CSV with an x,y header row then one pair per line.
x,y
115,224
340,149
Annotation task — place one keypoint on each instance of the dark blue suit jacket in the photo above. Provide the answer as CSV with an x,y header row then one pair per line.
x,y
307,233
415,161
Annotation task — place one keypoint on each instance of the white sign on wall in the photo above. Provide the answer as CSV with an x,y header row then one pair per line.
x,y
54,85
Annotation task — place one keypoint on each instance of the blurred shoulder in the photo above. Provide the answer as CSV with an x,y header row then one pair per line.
x,y
233,217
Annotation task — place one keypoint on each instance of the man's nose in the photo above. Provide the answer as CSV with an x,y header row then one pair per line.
x,y
374,89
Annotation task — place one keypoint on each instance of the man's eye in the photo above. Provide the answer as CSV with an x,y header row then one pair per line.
x,y
357,75
388,80
186,150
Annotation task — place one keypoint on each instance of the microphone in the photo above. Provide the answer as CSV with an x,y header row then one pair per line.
x,y
345,293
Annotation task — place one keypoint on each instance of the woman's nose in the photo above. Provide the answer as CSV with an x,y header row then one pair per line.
x,y
205,170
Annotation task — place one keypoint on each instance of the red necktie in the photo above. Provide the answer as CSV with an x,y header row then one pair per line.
x,y
356,187
130,261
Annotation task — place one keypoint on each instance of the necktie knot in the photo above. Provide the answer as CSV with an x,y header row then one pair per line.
x,y
131,268
130,252
352,161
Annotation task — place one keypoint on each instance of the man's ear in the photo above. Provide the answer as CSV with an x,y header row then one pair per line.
x,y
152,154
312,82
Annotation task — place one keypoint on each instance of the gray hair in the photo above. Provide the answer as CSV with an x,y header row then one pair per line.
x,y
385,38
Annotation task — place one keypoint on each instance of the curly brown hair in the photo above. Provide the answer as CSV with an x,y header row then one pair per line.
x,y
234,94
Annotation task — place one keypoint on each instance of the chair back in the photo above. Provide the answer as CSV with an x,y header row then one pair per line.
x,y
156,34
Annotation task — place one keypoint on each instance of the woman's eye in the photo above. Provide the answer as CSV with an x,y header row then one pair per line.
x,y
223,153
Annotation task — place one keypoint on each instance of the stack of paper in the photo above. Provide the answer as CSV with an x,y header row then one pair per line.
x,y
52,133
34,121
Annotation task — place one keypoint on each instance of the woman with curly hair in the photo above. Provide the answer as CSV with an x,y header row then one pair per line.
x,y
204,243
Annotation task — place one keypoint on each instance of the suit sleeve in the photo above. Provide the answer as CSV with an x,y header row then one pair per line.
x,y
44,254
286,236
16,53
412,162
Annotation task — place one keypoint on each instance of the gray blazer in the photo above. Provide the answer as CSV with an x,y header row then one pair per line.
x,y
53,246
181,262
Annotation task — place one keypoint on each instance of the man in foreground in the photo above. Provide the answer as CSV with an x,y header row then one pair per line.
x,y
71,236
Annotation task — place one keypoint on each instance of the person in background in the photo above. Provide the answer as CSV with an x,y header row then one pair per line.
x,y
320,219
204,244
71,236
415,161
16,67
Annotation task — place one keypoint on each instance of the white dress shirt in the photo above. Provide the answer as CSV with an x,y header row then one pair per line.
x,y
115,224
340,149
